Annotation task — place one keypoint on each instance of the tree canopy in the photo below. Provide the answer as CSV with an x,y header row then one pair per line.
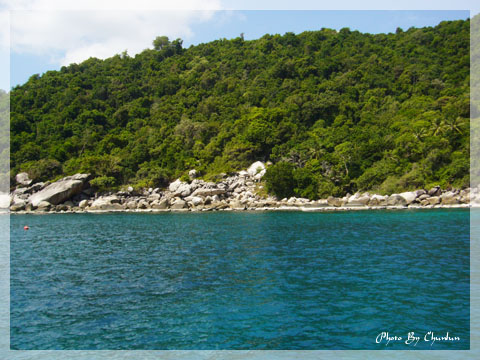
x,y
347,111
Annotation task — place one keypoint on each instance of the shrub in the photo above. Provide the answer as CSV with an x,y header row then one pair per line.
x,y
279,180
43,170
103,183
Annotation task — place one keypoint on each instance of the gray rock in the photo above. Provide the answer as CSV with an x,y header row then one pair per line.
x,y
192,174
434,200
179,204
111,202
153,197
435,191
61,190
409,196
132,205
182,190
23,179
34,188
378,200
333,201
160,204
18,206
396,200
197,200
174,185
358,201
256,168
449,198
43,205
143,204
237,205
208,192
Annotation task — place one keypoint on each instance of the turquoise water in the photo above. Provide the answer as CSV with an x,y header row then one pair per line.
x,y
278,280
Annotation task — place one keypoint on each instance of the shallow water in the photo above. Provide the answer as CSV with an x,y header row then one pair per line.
x,y
277,280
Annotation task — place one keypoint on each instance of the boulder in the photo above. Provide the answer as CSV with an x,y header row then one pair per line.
x,y
256,168
111,202
131,205
333,201
434,200
181,189
378,200
396,200
143,204
358,201
237,205
83,204
196,201
19,205
179,205
208,192
23,179
61,190
153,197
174,185
435,191
449,198
160,204
192,174
409,196
44,205
322,203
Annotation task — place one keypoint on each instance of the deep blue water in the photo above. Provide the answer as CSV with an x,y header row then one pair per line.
x,y
277,280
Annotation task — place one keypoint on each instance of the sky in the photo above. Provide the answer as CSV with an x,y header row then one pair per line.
x,y
41,35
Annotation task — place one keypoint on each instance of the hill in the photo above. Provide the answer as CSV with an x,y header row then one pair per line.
x,y
335,111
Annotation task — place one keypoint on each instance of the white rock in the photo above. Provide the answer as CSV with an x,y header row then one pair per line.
x,y
23,179
174,185
256,168
106,203
182,190
61,190
192,174
409,196
197,200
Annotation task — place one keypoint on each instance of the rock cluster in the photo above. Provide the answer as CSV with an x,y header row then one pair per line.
x,y
238,192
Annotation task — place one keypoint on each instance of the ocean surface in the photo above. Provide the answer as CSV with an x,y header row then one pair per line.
x,y
223,280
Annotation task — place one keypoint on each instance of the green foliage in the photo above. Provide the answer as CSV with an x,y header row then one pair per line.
x,y
103,183
43,169
279,180
348,111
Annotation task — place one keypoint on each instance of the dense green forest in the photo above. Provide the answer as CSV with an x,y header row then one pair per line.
x,y
337,111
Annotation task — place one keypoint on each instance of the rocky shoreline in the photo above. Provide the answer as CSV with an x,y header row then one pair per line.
x,y
239,192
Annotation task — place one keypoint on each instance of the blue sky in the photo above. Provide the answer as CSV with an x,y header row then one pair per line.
x,y
46,38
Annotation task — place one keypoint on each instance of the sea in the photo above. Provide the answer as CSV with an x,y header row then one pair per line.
x,y
376,279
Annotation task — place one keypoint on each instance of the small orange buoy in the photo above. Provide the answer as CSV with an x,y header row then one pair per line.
x,y
26,227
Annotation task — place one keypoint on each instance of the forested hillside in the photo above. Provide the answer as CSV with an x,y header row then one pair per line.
x,y
338,111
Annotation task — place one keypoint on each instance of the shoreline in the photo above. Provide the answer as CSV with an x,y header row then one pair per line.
x,y
242,191
251,210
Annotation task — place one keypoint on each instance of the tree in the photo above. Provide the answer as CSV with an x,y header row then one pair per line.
x,y
160,42
279,180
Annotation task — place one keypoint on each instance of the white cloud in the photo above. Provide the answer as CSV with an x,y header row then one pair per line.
x,y
73,31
